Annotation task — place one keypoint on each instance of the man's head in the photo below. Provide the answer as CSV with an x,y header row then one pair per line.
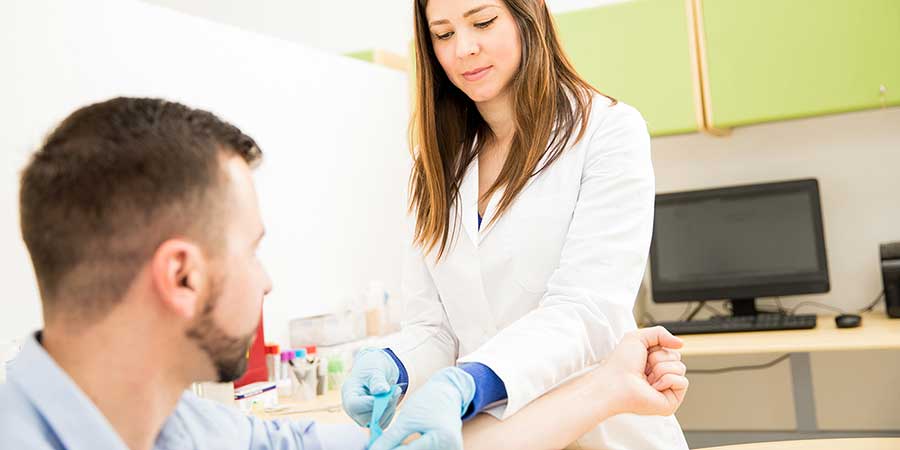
x,y
148,199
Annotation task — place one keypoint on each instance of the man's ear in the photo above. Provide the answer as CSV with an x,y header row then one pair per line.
x,y
178,271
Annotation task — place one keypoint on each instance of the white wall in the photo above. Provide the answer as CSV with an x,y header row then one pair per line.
x,y
333,130
340,27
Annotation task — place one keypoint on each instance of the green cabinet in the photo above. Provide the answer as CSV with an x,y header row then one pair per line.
x,y
772,60
639,52
363,55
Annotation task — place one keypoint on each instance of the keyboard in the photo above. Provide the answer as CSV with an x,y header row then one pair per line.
x,y
730,324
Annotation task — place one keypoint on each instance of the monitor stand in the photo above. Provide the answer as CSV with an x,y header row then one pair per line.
x,y
743,307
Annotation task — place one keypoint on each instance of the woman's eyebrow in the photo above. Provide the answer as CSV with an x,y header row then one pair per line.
x,y
465,14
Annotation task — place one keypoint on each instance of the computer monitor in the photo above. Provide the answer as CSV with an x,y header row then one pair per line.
x,y
739,243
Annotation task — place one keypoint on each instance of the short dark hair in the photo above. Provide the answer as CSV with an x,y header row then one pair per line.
x,y
111,183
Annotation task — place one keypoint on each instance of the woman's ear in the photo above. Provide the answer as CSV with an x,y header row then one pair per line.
x,y
177,271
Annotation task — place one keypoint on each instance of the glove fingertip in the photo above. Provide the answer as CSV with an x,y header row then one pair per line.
x,y
390,439
379,387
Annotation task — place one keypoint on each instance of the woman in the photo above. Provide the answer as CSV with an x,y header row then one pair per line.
x,y
533,203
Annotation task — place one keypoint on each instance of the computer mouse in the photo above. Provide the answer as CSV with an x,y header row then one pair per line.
x,y
847,320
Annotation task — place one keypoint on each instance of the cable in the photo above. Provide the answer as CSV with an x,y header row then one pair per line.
x,y
686,311
779,308
820,305
739,368
874,302
868,308
716,312
694,312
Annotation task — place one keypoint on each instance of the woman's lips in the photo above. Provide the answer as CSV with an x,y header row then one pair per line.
x,y
477,74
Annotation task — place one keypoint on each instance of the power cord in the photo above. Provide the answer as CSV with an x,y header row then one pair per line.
x,y
645,315
868,308
874,302
820,305
716,312
693,313
741,368
780,306
702,305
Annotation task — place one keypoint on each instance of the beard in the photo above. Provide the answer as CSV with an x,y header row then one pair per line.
x,y
227,353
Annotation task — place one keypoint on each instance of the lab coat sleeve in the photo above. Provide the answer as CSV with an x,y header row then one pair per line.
x,y
426,342
587,305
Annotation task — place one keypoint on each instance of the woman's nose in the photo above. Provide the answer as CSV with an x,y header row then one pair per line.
x,y
466,45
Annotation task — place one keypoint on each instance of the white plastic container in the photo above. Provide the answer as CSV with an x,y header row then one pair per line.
x,y
327,329
218,392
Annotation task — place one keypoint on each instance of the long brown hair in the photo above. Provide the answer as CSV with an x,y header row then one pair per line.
x,y
551,105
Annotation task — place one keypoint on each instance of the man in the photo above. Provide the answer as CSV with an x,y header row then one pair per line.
x,y
141,219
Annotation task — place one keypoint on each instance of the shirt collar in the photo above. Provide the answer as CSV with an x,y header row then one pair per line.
x,y
71,415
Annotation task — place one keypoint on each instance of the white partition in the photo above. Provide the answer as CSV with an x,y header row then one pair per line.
x,y
332,128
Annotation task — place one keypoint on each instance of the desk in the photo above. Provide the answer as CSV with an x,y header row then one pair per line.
x,y
322,409
820,444
877,332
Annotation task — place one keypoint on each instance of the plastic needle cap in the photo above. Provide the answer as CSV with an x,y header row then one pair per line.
x,y
381,403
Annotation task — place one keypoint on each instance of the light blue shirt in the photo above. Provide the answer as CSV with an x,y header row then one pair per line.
x,y
42,408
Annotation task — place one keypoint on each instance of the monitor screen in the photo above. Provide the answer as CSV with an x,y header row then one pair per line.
x,y
739,243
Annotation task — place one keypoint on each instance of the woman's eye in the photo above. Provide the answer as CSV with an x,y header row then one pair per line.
x,y
444,36
485,24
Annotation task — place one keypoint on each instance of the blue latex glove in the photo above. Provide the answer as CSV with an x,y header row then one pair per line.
x,y
434,411
373,372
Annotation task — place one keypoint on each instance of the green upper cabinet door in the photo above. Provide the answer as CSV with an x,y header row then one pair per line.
x,y
638,52
781,59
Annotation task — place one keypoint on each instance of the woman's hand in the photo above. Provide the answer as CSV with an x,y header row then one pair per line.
x,y
434,411
374,372
647,374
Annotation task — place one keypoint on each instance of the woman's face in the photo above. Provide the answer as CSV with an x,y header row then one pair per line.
x,y
477,44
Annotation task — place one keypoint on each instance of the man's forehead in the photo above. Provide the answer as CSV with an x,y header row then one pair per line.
x,y
243,198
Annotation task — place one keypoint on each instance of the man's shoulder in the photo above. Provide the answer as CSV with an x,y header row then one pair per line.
x,y
17,408
194,408
21,421
203,423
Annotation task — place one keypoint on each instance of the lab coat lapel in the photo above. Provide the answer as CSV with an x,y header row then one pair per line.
x,y
460,273
489,213
494,202
468,202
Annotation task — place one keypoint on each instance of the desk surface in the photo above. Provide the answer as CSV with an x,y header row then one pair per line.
x,y
322,409
877,332
820,444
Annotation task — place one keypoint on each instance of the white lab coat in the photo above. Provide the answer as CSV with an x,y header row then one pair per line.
x,y
548,289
